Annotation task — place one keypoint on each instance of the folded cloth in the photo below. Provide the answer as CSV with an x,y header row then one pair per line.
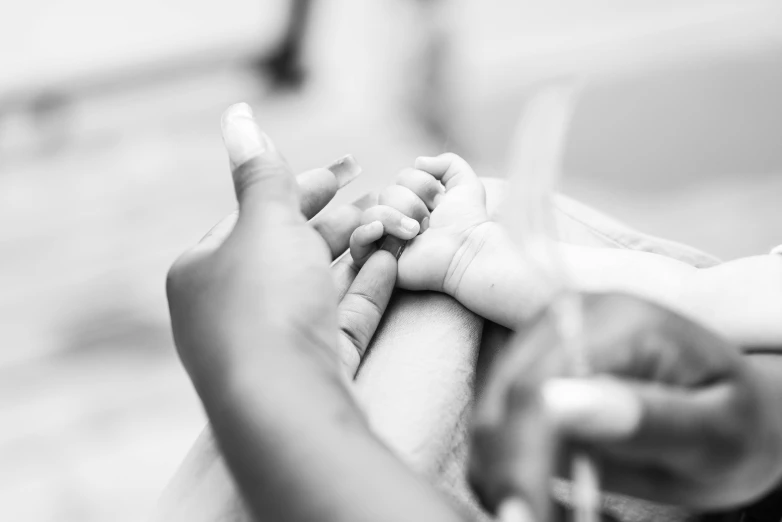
x,y
611,233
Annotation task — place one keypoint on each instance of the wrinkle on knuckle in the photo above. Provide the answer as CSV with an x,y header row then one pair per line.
x,y
349,355
251,174
359,298
355,335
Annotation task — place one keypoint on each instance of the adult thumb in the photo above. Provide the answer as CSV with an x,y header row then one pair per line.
x,y
262,177
667,424
593,409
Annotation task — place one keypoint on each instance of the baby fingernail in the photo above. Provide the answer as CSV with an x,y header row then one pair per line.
x,y
424,224
243,138
409,225
376,227
420,162
345,169
394,245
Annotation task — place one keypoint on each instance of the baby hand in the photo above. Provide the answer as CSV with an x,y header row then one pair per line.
x,y
444,199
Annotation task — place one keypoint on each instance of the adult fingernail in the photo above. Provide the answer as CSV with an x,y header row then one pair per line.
x,y
394,245
243,138
514,509
409,225
593,408
424,224
345,169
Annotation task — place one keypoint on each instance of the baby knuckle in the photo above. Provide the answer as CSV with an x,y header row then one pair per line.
x,y
452,157
404,176
388,192
371,214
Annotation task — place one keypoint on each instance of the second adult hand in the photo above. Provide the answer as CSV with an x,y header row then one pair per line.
x,y
538,148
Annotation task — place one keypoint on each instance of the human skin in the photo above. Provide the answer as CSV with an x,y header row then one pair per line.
x,y
740,299
382,406
673,413
464,253
260,335
415,386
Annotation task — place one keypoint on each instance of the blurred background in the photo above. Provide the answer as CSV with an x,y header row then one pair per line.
x,y
111,163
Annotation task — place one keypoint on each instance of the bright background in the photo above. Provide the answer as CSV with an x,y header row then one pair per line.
x,y
111,164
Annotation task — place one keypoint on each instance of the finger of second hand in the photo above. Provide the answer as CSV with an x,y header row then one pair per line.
x,y
343,273
335,227
393,245
344,270
363,305
514,509
317,187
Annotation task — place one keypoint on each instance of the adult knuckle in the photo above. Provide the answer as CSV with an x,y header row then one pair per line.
x,y
349,354
362,305
354,331
177,273
521,393
255,173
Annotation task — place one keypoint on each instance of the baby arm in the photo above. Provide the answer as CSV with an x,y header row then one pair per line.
x,y
741,299
461,252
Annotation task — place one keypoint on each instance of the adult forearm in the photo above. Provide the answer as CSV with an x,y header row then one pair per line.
x,y
299,448
767,369
202,490
414,387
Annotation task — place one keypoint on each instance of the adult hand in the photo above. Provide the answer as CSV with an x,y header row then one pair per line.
x,y
264,271
255,301
673,413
